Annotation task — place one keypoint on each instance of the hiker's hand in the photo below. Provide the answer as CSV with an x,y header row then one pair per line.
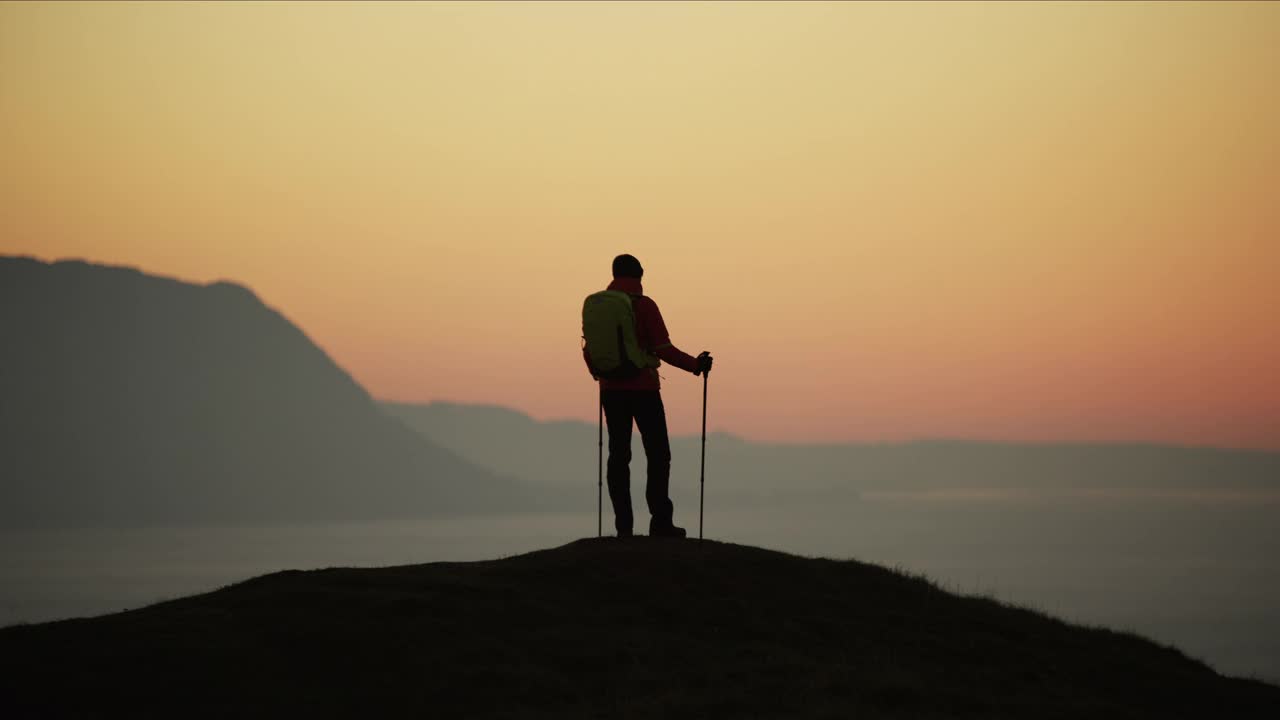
x,y
704,363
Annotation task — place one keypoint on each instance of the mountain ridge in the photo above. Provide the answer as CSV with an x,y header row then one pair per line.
x,y
526,418
552,453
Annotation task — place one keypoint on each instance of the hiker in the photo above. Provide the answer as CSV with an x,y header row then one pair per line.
x,y
625,340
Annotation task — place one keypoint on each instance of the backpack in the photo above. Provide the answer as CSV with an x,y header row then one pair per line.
x,y
609,329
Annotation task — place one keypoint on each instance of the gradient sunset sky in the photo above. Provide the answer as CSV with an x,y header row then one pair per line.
x,y
1028,222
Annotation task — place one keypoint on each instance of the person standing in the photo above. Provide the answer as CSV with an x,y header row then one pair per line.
x,y
636,397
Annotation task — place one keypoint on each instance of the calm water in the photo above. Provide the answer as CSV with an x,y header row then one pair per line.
x,y
1198,571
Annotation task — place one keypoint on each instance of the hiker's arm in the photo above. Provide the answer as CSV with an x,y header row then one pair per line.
x,y
656,329
673,355
587,359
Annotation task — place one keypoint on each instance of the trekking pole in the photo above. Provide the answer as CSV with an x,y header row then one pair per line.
x,y
702,474
600,470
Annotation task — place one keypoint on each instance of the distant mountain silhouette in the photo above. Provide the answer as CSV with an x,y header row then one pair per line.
x,y
559,453
640,628
129,398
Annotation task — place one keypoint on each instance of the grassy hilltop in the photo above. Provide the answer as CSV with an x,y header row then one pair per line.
x,y
603,628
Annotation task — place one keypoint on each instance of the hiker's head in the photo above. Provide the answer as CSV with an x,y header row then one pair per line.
x,y
627,266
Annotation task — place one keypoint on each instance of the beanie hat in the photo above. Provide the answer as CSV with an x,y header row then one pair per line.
x,y
627,266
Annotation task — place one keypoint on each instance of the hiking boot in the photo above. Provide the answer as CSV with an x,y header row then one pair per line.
x,y
624,534
666,531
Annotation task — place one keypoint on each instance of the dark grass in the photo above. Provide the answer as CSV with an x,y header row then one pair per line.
x,y
603,628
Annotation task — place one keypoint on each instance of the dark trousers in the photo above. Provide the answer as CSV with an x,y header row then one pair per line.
x,y
645,408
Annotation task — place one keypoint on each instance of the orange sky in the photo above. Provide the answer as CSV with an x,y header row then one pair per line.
x,y
1010,221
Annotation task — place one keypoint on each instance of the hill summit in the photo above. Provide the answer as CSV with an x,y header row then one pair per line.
x,y
638,628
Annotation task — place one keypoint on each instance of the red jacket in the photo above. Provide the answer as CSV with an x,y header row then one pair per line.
x,y
651,331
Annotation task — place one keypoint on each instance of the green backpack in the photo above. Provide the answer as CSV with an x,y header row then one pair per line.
x,y
609,328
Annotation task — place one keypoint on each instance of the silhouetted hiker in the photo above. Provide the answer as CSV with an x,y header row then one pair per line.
x,y
625,339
